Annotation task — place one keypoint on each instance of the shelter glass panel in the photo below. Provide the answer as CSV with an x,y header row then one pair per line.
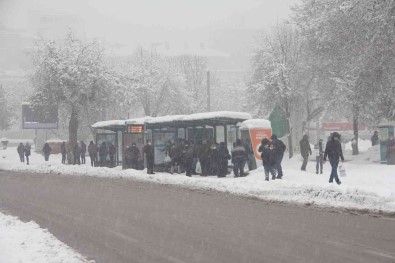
x,y
220,134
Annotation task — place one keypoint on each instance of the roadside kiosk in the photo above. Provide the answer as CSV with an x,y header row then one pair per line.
x,y
387,130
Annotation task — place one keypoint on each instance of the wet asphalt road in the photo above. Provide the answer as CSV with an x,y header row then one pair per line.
x,y
123,221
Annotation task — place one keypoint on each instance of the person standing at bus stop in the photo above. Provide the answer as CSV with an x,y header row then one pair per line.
x,y
279,149
28,148
148,149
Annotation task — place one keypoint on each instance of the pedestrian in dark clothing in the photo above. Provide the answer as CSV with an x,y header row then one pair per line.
x,y
92,151
333,151
238,159
63,152
223,157
375,138
149,155
111,152
203,156
279,149
268,158
103,153
305,151
47,151
27,152
21,152
319,156
249,153
134,154
213,159
77,154
391,150
176,156
188,158
83,152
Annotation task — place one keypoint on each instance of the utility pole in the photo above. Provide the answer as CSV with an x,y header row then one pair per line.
x,y
208,90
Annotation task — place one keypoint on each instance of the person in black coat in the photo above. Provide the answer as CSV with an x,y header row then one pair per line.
x,y
268,158
28,148
47,151
63,151
333,151
21,152
305,151
223,157
375,138
149,154
279,149
77,154
187,154
83,152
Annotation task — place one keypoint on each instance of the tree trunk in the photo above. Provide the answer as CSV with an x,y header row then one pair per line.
x,y
73,127
355,150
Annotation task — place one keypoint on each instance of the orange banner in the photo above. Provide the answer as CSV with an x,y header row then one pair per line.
x,y
256,136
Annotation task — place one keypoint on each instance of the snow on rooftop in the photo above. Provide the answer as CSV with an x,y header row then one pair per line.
x,y
256,123
102,124
141,120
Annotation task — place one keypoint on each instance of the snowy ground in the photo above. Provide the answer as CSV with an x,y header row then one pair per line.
x,y
27,243
367,186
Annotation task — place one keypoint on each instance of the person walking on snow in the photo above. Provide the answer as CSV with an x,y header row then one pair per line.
x,y
279,149
83,152
333,151
319,156
268,158
21,152
27,152
305,151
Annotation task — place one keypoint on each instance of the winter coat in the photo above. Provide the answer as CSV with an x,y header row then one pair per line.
x,y
28,148
203,151
333,150
103,151
267,154
278,147
223,154
375,139
188,153
63,148
134,152
76,151
92,149
21,149
47,149
149,151
83,148
319,150
238,153
112,150
305,149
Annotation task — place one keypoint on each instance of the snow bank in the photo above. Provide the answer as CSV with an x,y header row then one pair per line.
x,y
256,123
368,186
27,243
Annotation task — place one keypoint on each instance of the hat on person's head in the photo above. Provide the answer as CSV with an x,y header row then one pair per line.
x,y
265,141
274,137
336,135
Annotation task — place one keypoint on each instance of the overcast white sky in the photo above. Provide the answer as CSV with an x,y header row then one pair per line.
x,y
167,13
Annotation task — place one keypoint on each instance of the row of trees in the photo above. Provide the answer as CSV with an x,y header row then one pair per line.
x,y
332,58
80,81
